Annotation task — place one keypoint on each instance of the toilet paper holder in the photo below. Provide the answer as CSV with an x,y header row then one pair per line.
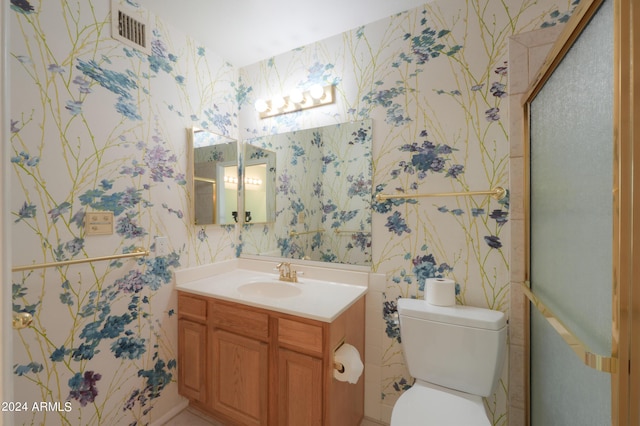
x,y
338,365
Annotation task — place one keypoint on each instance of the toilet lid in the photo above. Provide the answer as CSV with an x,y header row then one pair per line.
x,y
425,406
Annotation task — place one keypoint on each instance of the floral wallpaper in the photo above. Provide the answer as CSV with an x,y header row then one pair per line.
x,y
97,126
323,196
433,81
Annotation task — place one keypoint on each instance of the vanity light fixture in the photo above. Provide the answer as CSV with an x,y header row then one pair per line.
x,y
248,180
253,181
316,95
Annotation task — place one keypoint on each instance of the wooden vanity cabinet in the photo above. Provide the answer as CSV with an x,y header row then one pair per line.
x,y
192,348
239,363
299,389
300,372
240,377
267,368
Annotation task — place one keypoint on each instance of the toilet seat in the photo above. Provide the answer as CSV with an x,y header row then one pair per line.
x,y
426,404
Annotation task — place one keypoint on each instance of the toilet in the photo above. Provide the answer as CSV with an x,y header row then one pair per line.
x,y
455,353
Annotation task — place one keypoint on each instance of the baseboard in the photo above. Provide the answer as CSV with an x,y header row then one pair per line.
x,y
171,413
368,421
185,404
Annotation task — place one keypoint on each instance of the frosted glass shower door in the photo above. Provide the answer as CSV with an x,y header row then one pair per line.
x,y
571,228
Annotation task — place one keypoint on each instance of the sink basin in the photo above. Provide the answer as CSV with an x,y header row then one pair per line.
x,y
272,289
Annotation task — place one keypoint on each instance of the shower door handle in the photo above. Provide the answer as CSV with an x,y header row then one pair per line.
x,y
604,363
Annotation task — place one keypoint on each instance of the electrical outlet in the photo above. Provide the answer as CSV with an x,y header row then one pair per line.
x,y
162,246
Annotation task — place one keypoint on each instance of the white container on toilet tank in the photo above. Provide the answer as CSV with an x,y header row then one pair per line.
x,y
441,292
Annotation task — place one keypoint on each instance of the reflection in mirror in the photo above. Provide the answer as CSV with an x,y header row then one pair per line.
x,y
259,184
214,177
323,196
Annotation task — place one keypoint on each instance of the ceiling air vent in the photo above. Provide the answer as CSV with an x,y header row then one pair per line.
x,y
129,30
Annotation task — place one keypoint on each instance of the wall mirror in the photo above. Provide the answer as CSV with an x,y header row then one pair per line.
x,y
259,174
213,177
323,186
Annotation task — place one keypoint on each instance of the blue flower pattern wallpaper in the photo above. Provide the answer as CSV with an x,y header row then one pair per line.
x,y
323,196
97,126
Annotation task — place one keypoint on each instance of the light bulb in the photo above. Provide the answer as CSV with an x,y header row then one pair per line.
x,y
278,102
296,97
261,105
316,91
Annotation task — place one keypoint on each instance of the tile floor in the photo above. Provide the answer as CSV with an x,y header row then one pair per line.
x,y
191,417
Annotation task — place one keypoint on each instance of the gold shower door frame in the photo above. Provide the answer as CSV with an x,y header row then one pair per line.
x,y
625,351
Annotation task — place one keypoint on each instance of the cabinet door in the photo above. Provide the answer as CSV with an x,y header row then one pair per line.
x,y
240,377
300,383
192,360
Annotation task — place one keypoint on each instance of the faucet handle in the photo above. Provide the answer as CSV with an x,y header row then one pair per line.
x,y
284,268
294,275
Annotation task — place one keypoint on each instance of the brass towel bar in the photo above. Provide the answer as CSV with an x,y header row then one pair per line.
x,y
497,193
295,234
335,231
602,363
349,231
137,252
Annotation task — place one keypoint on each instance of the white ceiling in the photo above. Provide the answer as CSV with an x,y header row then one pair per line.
x,y
244,32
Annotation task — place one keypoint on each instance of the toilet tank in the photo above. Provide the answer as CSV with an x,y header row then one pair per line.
x,y
458,347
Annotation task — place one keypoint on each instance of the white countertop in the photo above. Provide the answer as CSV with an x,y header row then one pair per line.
x,y
319,299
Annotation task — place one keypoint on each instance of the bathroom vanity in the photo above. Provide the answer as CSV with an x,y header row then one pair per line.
x,y
257,351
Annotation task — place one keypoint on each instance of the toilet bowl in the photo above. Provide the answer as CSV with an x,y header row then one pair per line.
x,y
426,404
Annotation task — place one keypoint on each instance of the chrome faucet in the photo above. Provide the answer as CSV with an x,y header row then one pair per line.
x,y
287,273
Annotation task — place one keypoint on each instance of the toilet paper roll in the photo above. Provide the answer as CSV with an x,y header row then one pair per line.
x,y
349,357
441,292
